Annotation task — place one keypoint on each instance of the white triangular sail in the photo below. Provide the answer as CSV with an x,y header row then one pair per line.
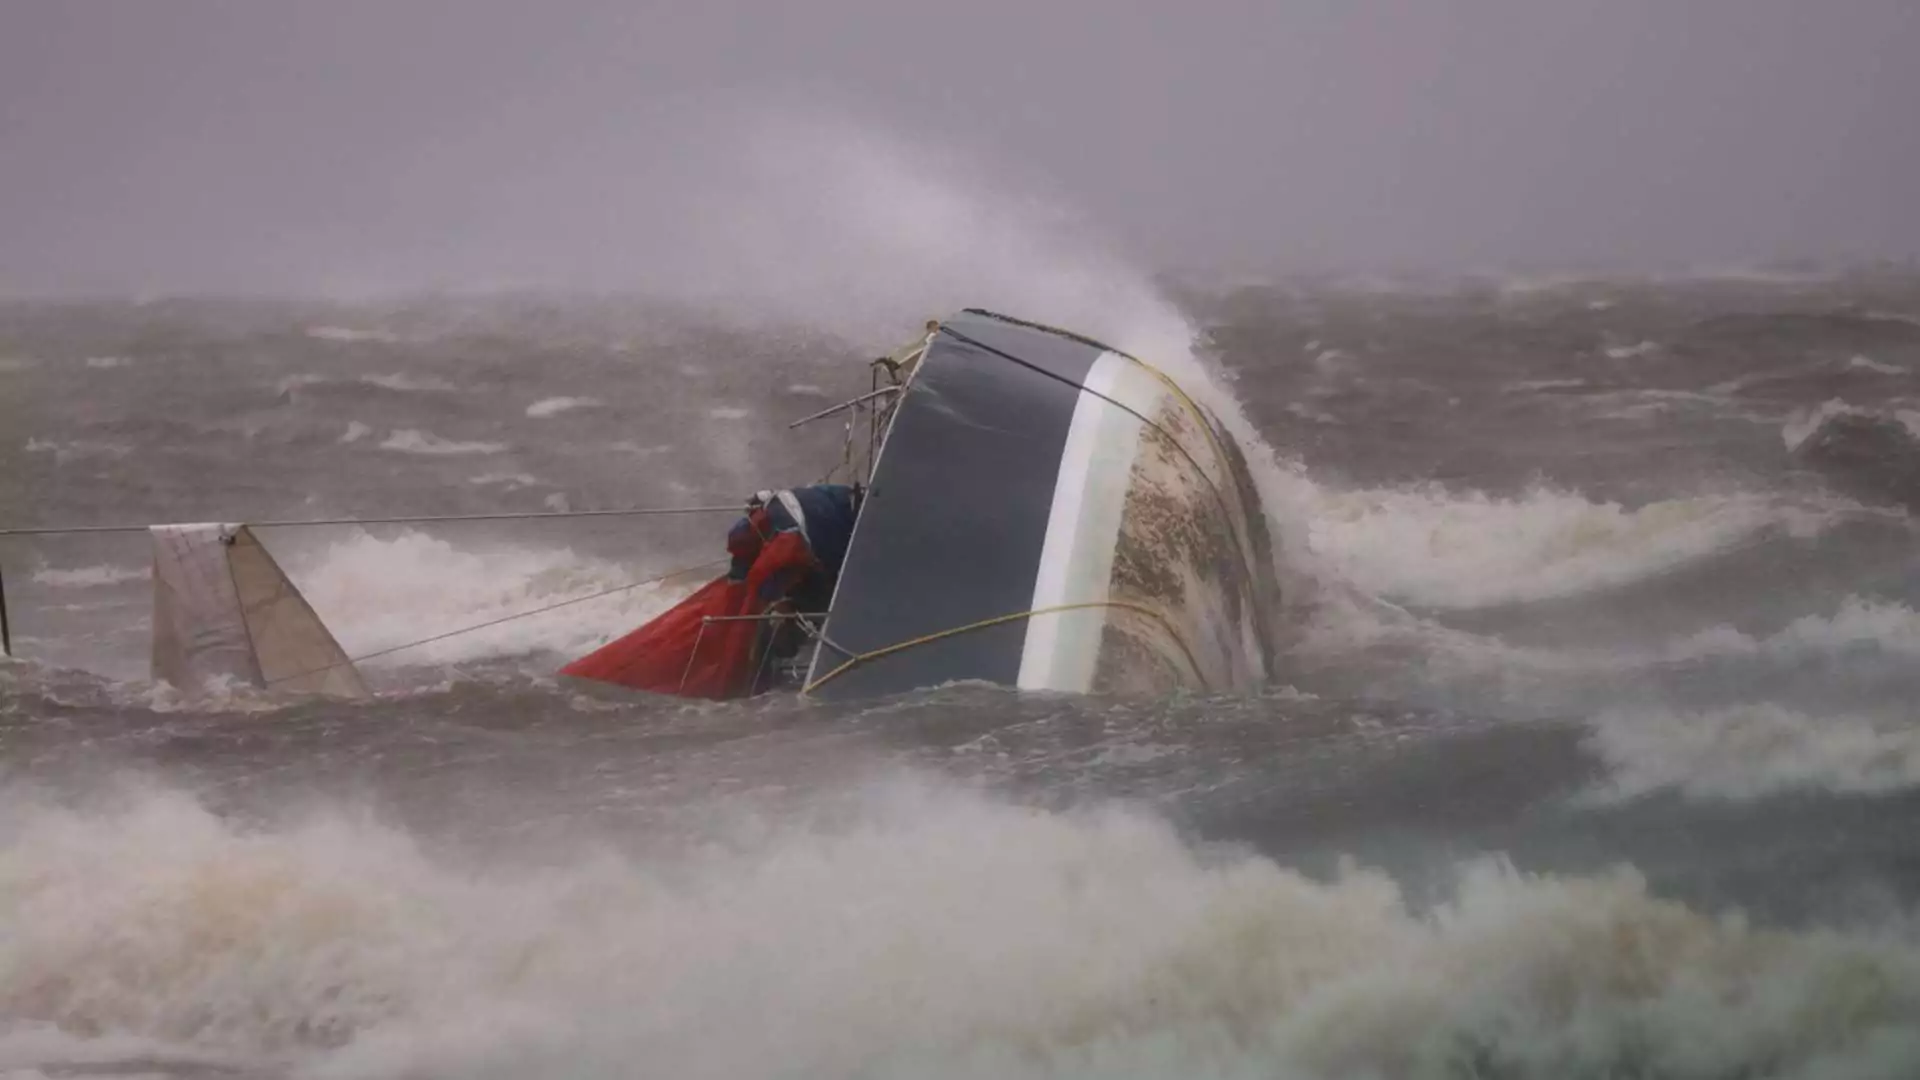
x,y
222,608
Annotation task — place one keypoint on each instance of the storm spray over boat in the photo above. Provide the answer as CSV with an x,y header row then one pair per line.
x,y
1591,753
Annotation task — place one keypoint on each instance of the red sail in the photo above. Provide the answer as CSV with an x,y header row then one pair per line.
x,y
666,655
683,654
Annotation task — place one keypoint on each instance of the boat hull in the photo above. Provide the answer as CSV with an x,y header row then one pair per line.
x,y
1049,514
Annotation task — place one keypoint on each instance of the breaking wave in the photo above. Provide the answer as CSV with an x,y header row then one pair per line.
x,y
344,333
64,452
1755,750
509,480
404,382
1868,363
398,381
89,577
376,594
918,932
554,406
1803,424
1872,454
1859,622
1433,547
1632,352
412,441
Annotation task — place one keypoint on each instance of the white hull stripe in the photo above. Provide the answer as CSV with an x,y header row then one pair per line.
x,y
1062,650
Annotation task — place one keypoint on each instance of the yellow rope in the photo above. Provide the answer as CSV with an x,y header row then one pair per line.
x,y
856,659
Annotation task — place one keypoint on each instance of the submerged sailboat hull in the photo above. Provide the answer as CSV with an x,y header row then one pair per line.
x,y
1050,514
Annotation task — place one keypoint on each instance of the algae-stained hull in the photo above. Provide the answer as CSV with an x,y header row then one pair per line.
x,y
1050,514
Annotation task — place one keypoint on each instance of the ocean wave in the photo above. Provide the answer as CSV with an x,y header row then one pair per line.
x,y
1632,352
1754,750
376,594
90,577
1434,547
1893,316
554,406
412,441
1858,627
399,381
348,334
76,449
920,932
1802,424
1858,623
406,383
628,446
510,480
1868,363
1872,454
1310,414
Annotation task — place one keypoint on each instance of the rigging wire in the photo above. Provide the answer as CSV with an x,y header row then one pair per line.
x,y
496,622
529,515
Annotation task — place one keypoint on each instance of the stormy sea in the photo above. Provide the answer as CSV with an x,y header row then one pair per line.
x,y
1593,752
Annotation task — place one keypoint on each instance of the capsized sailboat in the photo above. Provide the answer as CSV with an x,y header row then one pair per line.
x,y
1039,510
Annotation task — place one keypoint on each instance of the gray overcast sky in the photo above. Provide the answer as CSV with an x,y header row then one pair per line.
x,y
358,144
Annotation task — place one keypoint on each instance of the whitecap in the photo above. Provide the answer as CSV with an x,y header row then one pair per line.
x,y
1868,363
375,594
628,446
348,334
397,380
402,381
1801,424
1753,750
79,448
1628,352
915,930
89,577
1857,623
290,383
508,479
554,406
1527,386
1307,412
1430,546
411,441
